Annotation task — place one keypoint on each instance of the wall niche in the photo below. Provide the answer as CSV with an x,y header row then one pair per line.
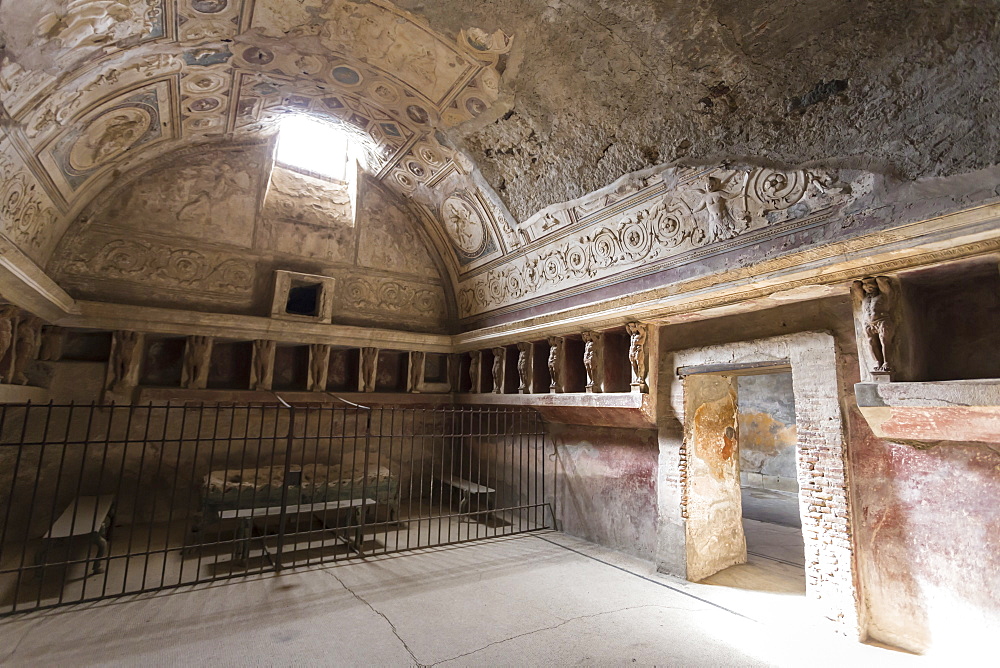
x,y
952,321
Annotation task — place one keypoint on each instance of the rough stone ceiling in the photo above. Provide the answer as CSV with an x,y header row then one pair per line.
x,y
482,114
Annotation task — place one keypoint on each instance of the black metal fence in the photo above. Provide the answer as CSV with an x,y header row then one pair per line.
x,y
105,500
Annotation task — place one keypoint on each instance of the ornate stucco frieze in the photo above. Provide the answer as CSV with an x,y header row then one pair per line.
x,y
681,216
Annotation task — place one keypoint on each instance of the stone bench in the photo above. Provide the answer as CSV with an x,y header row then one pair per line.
x,y
85,516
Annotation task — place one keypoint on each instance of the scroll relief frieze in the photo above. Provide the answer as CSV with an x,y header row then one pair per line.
x,y
155,263
377,295
704,214
26,212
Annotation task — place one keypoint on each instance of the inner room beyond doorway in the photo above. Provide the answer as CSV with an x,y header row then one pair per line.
x,y
769,490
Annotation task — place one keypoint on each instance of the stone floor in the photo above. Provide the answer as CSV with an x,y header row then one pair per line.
x,y
214,559
775,507
541,599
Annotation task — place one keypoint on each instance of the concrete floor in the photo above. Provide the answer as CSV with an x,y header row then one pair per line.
x,y
541,599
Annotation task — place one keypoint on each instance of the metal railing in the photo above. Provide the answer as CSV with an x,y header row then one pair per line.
x,y
106,500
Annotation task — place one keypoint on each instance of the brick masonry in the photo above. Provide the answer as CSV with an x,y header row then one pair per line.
x,y
824,502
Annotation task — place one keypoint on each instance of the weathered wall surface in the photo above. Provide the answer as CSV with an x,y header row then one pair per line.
x,y
606,486
714,511
929,532
197,232
767,431
925,526
607,88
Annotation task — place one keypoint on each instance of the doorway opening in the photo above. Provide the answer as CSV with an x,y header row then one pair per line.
x,y
705,395
769,488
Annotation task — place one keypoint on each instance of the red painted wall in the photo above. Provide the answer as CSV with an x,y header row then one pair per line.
x,y
606,485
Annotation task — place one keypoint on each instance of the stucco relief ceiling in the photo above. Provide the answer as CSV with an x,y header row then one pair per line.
x,y
553,101
92,88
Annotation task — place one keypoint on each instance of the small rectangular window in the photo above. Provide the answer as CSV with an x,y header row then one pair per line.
x,y
304,298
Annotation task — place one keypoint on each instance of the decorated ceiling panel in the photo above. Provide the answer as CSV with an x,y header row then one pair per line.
x,y
92,88
94,91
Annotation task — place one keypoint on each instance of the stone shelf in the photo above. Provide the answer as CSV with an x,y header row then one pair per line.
x,y
161,395
925,414
618,409
19,394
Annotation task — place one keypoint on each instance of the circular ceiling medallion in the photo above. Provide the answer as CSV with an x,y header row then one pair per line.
x,y
383,92
464,225
416,169
209,6
204,104
417,114
108,136
307,64
430,156
203,83
257,55
202,123
404,180
346,76
475,106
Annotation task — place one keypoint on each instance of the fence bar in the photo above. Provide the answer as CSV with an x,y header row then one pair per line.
x,y
188,474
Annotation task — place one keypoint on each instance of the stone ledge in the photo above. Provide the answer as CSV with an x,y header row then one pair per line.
x,y
926,414
613,409
162,395
19,394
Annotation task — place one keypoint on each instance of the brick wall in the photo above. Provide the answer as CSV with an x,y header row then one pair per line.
x,y
824,502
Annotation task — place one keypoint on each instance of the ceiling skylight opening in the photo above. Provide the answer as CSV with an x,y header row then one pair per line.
x,y
307,144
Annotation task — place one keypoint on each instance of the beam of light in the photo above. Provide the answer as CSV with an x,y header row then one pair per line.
x,y
308,144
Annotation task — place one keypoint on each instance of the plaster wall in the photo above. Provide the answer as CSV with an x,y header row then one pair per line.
x,y
924,527
929,541
767,431
606,486
206,230
714,537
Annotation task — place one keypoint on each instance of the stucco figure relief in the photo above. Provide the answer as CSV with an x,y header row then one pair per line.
x,y
637,333
416,380
210,195
499,363
875,297
8,315
27,340
721,220
369,369
476,370
319,366
593,360
524,367
53,339
197,357
109,136
262,367
307,199
97,22
126,356
555,361
464,224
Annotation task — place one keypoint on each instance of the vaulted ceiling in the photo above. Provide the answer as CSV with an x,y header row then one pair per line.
x,y
484,117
